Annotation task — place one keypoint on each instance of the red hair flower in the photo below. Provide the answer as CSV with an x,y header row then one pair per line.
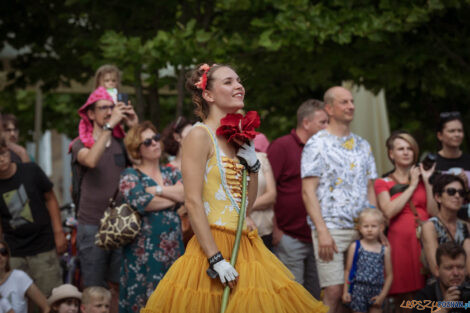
x,y
202,83
238,128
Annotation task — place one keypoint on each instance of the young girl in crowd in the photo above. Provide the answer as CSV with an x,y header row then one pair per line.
x,y
65,299
368,258
212,174
17,287
108,77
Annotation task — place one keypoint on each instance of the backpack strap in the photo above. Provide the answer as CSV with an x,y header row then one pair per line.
x,y
124,151
352,272
78,172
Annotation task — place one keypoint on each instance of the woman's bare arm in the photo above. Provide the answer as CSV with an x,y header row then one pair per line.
x,y
430,244
390,207
267,199
175,192
159,203
38,298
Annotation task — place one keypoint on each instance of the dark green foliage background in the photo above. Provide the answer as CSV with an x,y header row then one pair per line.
x,y
285,52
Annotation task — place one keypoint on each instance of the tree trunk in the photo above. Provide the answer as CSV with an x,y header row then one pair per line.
x,y
140,103
180,90
154,101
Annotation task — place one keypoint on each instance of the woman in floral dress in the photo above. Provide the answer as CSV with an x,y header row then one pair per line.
x,y
153,190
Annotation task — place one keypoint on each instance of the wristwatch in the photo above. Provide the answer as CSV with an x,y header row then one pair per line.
x,y
158,190
107,127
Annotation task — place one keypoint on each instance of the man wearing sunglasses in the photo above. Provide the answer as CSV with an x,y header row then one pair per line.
x,y
100,155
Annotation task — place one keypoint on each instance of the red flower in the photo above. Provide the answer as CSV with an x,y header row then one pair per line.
x,y
236,127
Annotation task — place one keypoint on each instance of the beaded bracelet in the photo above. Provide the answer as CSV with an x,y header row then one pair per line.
x,y
255,168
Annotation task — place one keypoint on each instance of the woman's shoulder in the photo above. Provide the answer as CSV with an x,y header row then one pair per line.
x,y
431,226
199,130
384,182
129,171
18,276
200,135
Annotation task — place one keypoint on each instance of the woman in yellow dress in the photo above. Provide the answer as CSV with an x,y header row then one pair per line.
x,y
212,175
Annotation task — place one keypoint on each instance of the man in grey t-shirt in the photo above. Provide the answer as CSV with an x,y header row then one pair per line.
x,y
99,150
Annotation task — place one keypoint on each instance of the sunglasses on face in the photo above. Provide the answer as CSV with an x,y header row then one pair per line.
x,y
106,107
4,251
453,191
147,142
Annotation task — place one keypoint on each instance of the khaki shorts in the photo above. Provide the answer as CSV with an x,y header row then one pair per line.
x,y
43,268
332,273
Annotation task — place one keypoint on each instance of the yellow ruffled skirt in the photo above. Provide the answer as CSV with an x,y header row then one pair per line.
x,y
265,285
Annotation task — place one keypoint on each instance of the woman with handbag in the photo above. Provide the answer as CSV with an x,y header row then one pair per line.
x,y
449,192
153,190
213,177
405,197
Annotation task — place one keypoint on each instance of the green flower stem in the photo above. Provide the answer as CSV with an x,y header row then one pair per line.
x,y
238,237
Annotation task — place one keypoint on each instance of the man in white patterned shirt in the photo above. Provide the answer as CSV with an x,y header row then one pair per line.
x,y
337,170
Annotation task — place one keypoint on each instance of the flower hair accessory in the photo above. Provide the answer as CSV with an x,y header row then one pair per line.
x,y
202,83
238,128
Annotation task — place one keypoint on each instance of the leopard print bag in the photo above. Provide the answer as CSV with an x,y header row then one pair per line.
x,y
118,226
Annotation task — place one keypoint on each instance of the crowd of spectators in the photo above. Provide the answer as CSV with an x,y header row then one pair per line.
x,y
313,185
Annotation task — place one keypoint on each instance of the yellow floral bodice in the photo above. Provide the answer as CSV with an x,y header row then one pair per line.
x,y
222,191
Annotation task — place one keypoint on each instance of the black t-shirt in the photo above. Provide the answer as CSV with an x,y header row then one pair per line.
x,y
444,164
15,157
25,219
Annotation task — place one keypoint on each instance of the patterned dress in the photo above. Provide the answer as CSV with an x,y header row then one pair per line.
x,y
265,285
146,260
369,278
443,236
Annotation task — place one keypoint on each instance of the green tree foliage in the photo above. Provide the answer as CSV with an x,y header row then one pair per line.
x,y
285,51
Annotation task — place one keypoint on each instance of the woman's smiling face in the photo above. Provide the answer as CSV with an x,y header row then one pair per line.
x,y
226,90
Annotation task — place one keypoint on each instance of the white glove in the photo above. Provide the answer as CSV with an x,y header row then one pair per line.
x,y
247,154
226,271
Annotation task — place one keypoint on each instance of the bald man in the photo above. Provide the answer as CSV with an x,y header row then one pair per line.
x,y
337,170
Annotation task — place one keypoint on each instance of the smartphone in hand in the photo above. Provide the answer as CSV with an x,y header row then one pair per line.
x,y
123,97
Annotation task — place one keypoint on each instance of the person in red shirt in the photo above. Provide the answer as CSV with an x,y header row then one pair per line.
x,y
292,240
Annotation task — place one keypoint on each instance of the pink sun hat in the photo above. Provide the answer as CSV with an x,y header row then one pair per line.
x,y
85,128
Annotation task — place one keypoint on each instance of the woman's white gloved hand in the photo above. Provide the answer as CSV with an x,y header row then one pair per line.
x,y
247,156
226,271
